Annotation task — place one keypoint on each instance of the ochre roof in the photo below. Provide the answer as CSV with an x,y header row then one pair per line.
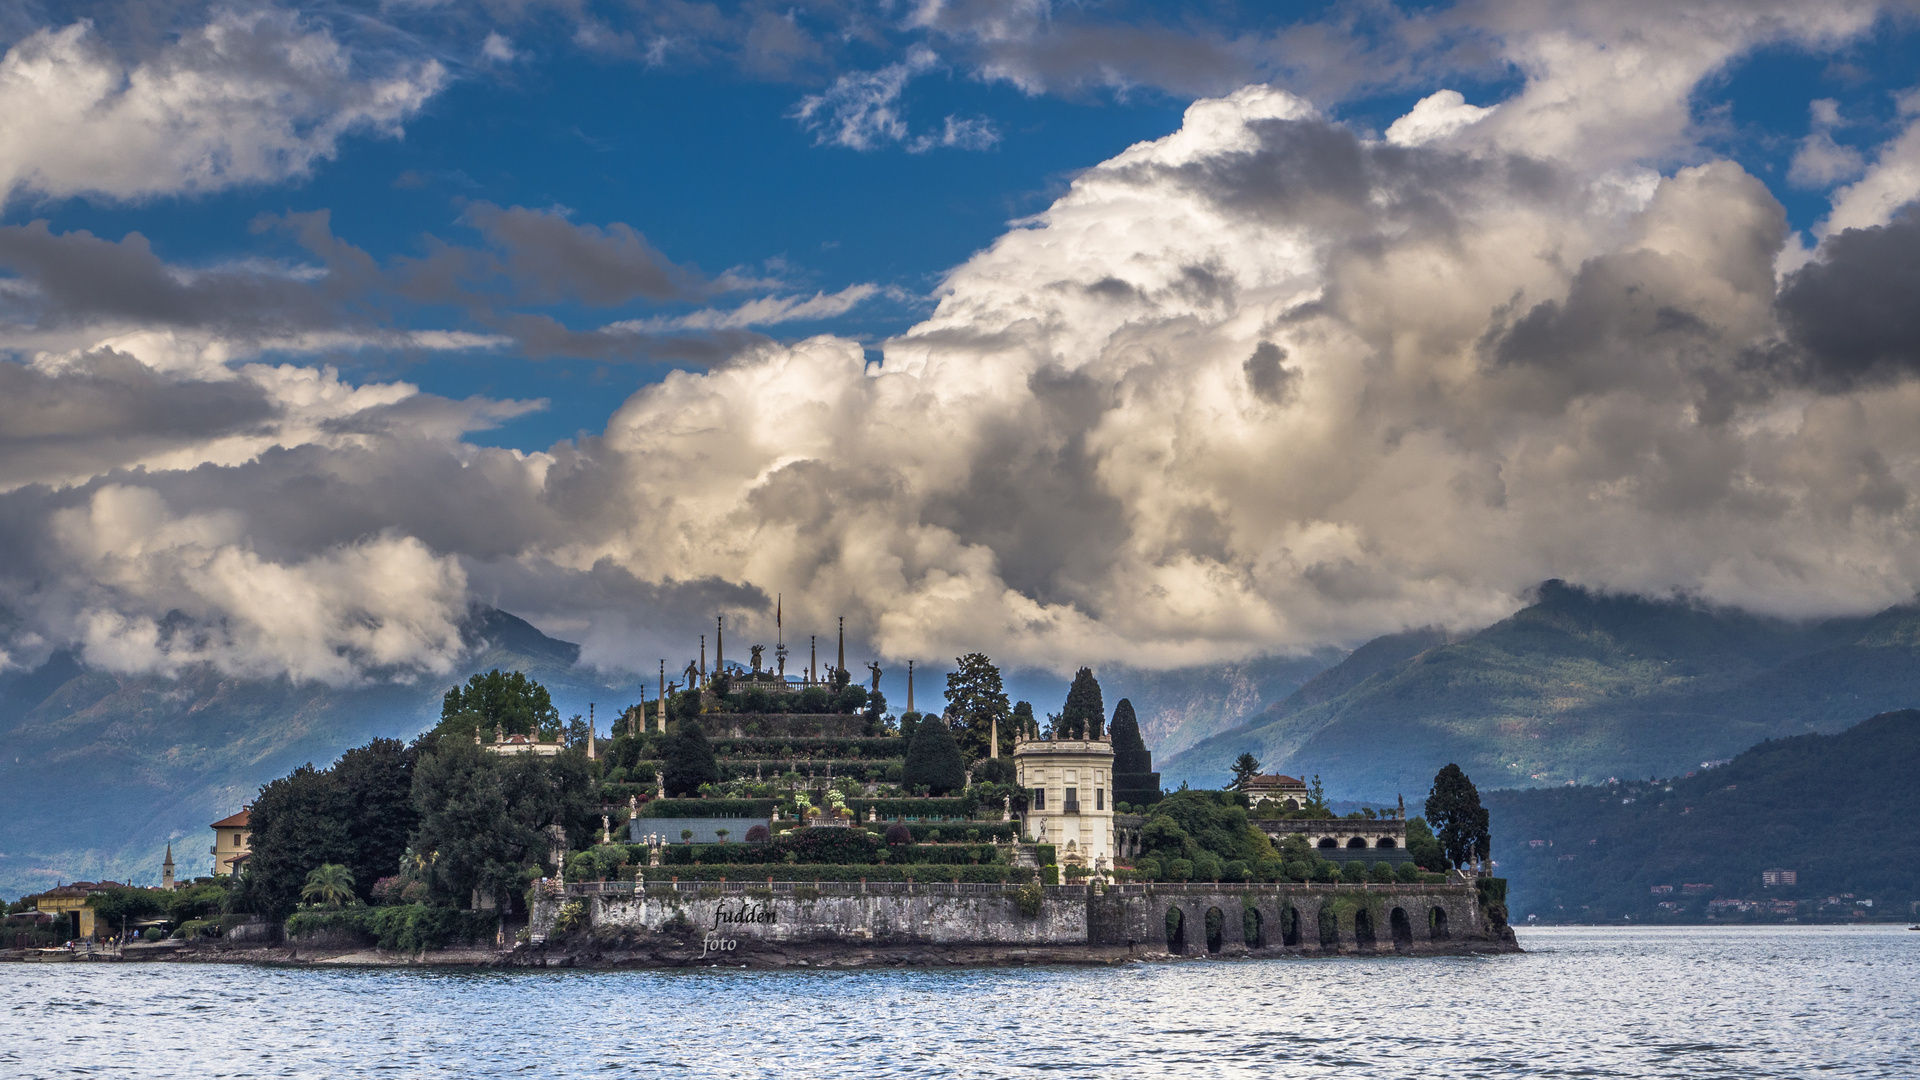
x,y
237,821
1277,779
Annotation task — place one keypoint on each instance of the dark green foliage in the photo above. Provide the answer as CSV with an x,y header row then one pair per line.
x,y
975,701
993,771
1838,809
119,904
908,722
850,699
401,928
509,702
1189,823
1245,768
933,758
827,845
1023,722
814,699
1134,780
377,782
1083,714
483,818
1425,847
683,705
687,759
898,834
299,822
1457,818
757,834
982,874
740,808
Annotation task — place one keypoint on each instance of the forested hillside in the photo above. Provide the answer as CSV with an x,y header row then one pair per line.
x,y
102,770
1838,810
1578,687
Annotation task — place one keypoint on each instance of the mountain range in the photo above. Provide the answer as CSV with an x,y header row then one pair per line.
x,y
102,770
1574,688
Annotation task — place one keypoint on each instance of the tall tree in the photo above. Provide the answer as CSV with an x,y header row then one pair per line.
x,y
506,702
467,838
687,761
1134,781
933,758
1245,768
376,784
975,701
1084,712
1023,721
299,822
1457,818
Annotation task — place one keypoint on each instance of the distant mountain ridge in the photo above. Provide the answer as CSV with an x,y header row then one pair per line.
x,y
103,770
1577,686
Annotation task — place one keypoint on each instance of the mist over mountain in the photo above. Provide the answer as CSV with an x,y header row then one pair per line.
x,y
1576,687
103,770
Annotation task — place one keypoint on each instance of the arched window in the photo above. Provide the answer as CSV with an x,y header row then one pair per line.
x,y
1216,929
1291,804
1176,931
1329,842
1437,924
1357,842
1386,842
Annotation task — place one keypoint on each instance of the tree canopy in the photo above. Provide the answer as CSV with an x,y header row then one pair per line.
x,y
358,813
1245,768
1134,781
507,702
975,700
933,757
1458,819
687,761
1084,713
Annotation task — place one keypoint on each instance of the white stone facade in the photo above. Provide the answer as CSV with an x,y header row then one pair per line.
x,y
1070,797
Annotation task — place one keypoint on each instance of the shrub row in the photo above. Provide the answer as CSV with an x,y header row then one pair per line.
x,y
954,831
835,872
852,854
782,748
402,927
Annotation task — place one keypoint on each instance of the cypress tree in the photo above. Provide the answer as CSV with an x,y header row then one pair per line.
x,y
1080,717
933,757
688,760
1458,819
1134,780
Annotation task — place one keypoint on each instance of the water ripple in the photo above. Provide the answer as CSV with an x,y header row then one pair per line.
x,y
1680,1003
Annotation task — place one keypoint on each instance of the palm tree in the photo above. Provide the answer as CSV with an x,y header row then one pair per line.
x,y
331,885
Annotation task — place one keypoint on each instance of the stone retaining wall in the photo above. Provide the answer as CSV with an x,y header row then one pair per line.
x,y
734,920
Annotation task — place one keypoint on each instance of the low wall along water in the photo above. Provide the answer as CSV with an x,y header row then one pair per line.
x,y
746,922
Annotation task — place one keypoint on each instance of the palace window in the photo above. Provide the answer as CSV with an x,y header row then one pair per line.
x,y
1039,796
1099,798
1072,803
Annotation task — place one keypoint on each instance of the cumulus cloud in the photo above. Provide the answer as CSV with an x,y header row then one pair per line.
x,y
1264,383
251,97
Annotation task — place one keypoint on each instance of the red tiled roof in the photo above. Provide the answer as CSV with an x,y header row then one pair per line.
x,y
237,821
1276,778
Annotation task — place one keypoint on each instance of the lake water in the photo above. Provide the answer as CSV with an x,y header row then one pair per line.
x,y
1712,1002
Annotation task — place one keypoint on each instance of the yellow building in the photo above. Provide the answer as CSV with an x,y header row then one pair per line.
x,y
232,842
68,903
1069,786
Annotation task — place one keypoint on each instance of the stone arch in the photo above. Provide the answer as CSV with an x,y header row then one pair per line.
x,y
1216,921
1363,928
1253,927
1402,929
1328,842
1291,804
1357,842
1290,926
1437,924
1329,926
1176,931
1385,842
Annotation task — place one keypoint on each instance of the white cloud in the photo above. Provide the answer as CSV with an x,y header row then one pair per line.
x,y
762,311
862,111
249,98
498,48
1435,117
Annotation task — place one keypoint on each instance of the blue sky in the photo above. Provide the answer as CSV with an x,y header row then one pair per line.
x,y
712,165
1392,312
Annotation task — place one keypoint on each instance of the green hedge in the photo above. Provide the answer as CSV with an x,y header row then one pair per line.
x,y
820,848
740,808
402,927
835,872
954,831
888,809
784,748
